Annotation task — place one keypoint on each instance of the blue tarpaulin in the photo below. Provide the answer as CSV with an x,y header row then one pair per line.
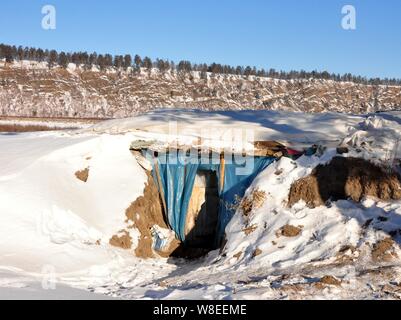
x,y
175,173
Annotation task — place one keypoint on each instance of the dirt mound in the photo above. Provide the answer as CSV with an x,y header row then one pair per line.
x,y
82,175
145,212
345,178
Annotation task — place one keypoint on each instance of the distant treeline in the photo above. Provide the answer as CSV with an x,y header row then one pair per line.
x,y
104,61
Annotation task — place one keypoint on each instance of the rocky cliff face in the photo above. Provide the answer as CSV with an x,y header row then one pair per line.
x,y
34,90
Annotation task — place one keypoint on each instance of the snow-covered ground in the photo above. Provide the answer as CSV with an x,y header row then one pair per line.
x,y
55,228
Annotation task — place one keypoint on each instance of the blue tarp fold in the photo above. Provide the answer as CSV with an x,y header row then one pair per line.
x,y
175,174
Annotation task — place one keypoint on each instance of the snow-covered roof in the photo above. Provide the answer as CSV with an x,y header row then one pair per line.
x,y
289,128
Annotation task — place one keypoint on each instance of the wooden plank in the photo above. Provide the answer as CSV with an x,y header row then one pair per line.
x,y
160,185
222,171
261,148
197,200
268,149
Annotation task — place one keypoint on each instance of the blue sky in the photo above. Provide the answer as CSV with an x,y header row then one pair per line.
x,y
281,34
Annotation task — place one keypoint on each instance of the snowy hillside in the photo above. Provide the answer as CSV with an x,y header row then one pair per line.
x,y
31,89
64,195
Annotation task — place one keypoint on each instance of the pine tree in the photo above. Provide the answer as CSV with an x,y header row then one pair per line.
x,y
92,59
239,70
108,60
26,53
11,53
53,57
14,52
8,54
32,54
248,71
40,55
75,58
118,61
127,61
20,53
147,63
101,62
137,61
62,60
84,58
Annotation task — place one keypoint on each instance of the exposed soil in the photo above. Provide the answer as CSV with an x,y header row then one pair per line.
x,y
256,253
290,231
145,212
253,201
237,255
83,175
295,289
123,240
345,178
346,255
383,251
327,281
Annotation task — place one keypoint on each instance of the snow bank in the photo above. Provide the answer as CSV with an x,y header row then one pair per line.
x,y
323,231
278,251
48,216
